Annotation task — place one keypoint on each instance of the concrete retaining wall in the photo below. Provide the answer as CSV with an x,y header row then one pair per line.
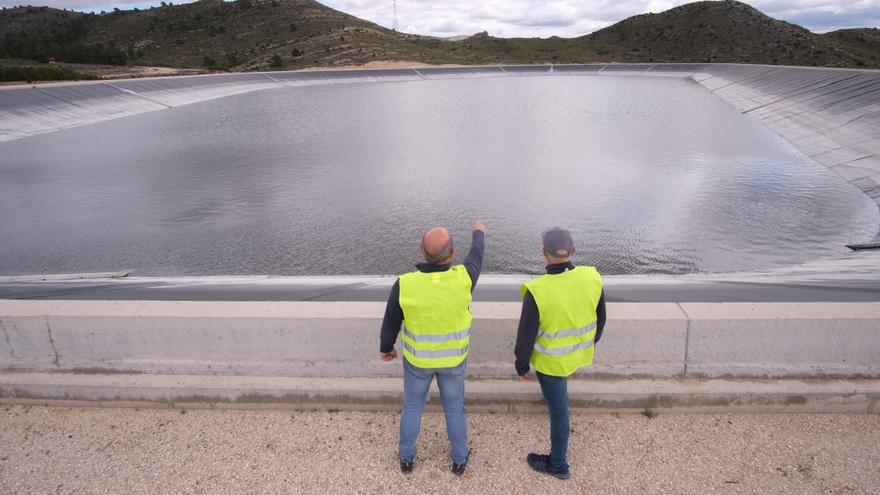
x,y
340,339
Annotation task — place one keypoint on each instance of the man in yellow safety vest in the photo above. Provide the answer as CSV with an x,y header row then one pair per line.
x,y
430,309
563,315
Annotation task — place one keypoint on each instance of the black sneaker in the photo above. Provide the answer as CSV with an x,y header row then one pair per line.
x,y
406,466
541,464
458,469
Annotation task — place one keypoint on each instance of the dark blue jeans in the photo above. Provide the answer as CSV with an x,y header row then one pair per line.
x,y
555,390
416,382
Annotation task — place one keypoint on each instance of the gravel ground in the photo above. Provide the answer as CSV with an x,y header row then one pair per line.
x,y
92,450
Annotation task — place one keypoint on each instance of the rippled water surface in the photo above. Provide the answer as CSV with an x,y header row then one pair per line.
x,y
651,176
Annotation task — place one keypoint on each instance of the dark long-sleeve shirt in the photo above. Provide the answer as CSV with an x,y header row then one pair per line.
x,y
528,322
473,263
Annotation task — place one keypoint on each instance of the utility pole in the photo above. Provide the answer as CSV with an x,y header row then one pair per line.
x,y
394,7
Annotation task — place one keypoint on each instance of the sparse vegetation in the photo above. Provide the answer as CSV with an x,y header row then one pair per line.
x,y
28,74
43,49
864,42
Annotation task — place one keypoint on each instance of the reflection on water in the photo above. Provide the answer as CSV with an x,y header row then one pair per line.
x,y
651,175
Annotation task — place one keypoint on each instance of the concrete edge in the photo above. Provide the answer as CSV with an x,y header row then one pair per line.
x,y
490,310
65,277
646,396
693,68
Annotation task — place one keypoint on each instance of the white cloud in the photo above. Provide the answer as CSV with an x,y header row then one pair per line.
x,y
824,15
569,18
530,18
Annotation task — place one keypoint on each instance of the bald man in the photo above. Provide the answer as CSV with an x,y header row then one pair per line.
x,y
430,309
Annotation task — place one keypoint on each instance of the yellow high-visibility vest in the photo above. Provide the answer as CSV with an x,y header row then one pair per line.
x,y
566,319
436,317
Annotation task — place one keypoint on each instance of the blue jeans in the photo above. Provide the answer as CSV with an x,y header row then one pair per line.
x,y
555,390
416,382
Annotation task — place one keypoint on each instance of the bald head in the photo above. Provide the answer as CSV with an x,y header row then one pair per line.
x,y
437,245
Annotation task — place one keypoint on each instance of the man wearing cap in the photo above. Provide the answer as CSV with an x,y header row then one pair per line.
x,y
430,309
563,314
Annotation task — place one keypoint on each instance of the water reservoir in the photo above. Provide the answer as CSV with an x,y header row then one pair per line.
x,y
652,175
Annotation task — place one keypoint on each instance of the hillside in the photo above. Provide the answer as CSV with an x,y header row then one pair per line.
x,y
264,34
718,32
863,42
711,31
241,35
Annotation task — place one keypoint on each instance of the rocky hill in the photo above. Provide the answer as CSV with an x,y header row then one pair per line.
x,y
265,34
718,32
862,42
725,31
242,35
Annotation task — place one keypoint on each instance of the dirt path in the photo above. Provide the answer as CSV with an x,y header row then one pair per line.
x,y
70,450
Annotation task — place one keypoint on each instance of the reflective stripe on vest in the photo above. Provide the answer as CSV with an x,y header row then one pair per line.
x,y
435,332
559,351
567,319
435,354
574,332
436,338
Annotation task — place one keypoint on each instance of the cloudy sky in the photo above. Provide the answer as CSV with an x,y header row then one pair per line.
x,y
568,18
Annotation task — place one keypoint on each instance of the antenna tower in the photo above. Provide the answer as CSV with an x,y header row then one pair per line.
x,y
394,6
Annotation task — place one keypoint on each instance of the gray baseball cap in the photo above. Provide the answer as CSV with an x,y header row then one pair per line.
x,y
558,242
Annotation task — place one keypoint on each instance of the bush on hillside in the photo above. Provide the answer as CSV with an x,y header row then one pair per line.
x,y
28,74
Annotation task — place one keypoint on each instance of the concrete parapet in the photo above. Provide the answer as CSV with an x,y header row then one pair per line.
x,y
783,339
648,339
340,339
290,338
25,337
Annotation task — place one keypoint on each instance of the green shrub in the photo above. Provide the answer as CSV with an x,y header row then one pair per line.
x,y
28,74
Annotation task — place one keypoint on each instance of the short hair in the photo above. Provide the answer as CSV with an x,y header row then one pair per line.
x,y
444,253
